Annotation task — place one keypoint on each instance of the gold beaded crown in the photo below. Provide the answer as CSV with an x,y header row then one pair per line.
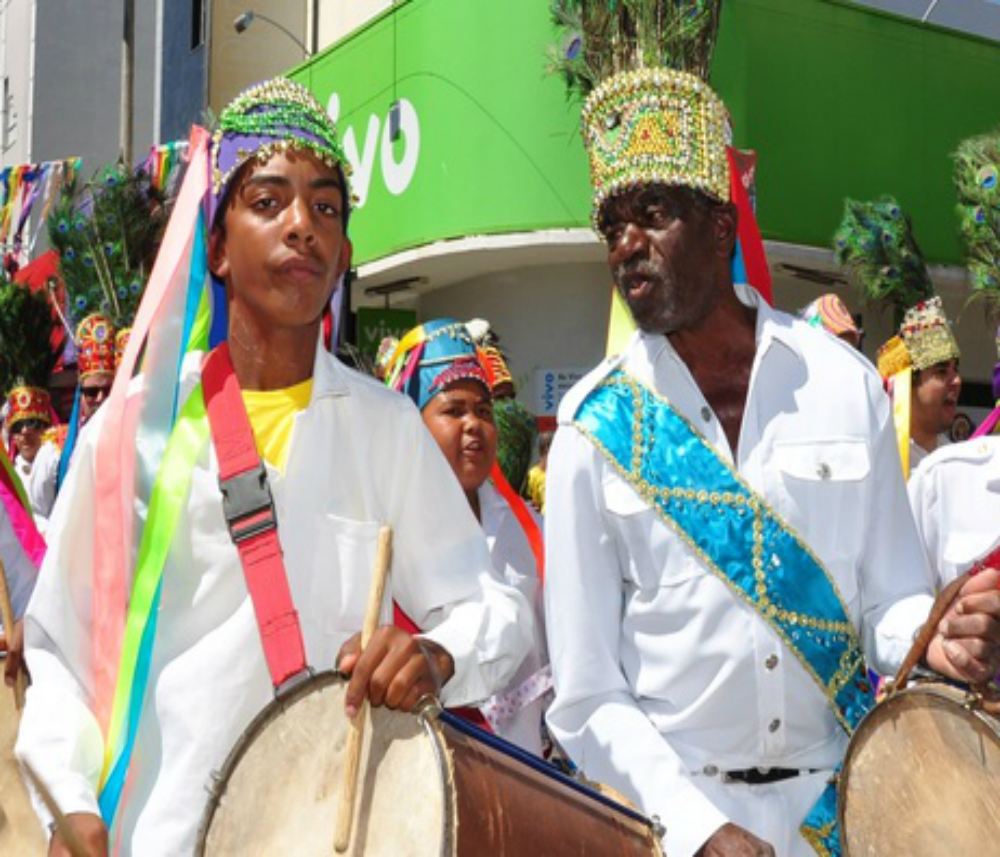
x,y
656,125
649,117
925,338
927,335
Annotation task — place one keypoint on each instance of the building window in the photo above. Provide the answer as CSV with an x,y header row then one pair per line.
x,y
198,23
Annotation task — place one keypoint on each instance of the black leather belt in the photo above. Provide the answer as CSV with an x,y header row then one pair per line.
x,y
761,776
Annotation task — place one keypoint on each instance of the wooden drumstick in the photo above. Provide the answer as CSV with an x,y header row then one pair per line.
x,y
7,617
355,737
67,834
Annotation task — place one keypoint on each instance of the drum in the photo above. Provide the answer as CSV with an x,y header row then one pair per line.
x,y
20,831
428,785
922,777
922,773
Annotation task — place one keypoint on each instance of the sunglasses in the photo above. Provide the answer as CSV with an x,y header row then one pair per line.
x,y
27,425
91,393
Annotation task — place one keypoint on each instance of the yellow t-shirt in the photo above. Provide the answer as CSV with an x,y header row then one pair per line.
x,y
272,415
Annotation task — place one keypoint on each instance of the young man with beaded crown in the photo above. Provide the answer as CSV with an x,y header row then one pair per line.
x,y
342,455
695,481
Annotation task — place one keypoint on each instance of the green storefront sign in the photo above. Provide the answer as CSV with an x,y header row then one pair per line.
x,y
838,101
374,325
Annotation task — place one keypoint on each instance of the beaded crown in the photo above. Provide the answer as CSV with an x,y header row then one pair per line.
x,y
29,403
270,117
656,126
95,346
649,116
927,335
925,338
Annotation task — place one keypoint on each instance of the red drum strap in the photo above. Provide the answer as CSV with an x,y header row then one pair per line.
x,y
249,511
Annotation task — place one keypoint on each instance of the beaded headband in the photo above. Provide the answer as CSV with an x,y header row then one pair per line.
x,y
655,126
271,117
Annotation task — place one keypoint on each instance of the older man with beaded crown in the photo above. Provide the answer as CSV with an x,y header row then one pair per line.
x,y
130,760
706,614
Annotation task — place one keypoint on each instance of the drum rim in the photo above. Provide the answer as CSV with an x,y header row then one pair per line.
x,y
281,703
941,689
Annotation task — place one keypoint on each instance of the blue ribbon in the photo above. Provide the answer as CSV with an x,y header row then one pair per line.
x,y
742,540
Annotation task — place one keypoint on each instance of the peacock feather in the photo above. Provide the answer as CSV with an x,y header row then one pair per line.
x,y
977,179
600,38
26,354
875,244
107,234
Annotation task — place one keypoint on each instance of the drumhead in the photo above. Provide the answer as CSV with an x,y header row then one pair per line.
x,y
279,789
922,778
20,830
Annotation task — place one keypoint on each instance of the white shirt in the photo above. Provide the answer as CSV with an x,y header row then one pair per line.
x,y
39,480
359,456
663,677
20,570
956,501
516,712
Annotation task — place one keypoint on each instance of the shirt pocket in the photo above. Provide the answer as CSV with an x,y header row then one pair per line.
x,y
341,566
650,552
960,551
822,489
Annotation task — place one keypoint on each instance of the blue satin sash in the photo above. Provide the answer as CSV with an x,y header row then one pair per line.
x,y
740,539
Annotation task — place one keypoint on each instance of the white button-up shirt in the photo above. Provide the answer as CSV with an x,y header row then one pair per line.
x,y
664,678
956,501
359,457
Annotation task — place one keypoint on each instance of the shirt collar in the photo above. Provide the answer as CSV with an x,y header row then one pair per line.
x,y
773,326
329,374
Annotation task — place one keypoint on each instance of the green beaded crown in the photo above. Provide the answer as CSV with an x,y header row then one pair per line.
x,y
272,117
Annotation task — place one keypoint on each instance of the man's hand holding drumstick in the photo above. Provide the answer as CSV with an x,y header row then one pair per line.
x,y
967,644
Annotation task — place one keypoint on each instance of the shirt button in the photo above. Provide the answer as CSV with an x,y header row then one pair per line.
x,y
706,414
823,471
774,725
710,770
771,662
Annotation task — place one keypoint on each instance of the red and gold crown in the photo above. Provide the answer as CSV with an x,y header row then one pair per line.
x,y
29,403
95,346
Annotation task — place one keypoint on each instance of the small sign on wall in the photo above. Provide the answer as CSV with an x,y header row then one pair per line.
x,y
550,386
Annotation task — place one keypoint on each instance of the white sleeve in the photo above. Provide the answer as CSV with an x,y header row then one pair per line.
x,y
59,734
895,579
595,716
20,571
443,578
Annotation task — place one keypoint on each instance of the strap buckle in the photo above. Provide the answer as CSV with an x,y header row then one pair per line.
x,y
247,504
